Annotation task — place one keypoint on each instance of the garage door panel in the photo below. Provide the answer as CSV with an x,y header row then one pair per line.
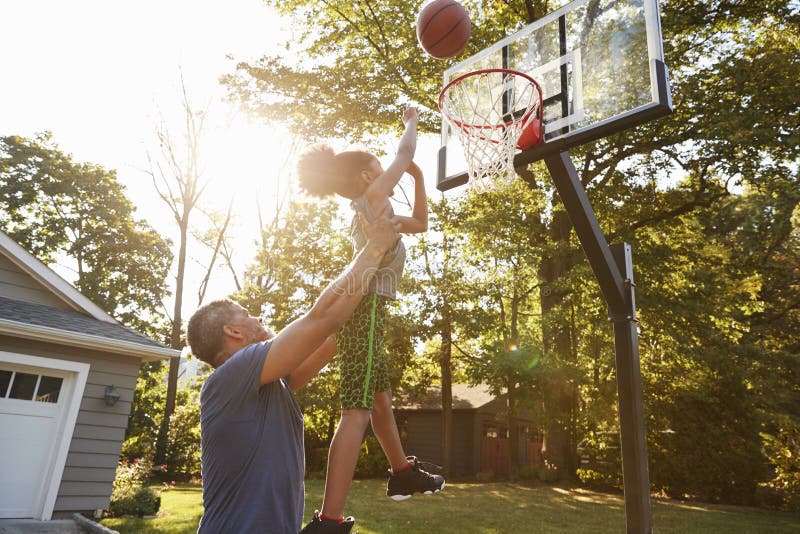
x,y
39,401
23,447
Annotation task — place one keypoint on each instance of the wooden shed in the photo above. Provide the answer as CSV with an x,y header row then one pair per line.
x,y
67,376
480,431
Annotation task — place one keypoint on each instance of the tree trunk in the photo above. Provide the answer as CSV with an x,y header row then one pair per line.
x,y
513,432
175,343
445,356
557,348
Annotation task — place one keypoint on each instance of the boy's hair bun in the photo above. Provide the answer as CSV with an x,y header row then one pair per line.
x,y
316,171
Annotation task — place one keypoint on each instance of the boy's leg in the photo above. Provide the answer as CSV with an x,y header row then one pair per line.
x,y
355,342
385,429
342,459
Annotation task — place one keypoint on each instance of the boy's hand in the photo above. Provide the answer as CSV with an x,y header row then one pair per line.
x,y
411,115
414,170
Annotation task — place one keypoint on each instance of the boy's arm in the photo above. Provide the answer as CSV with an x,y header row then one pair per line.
x,y
381,189
418,222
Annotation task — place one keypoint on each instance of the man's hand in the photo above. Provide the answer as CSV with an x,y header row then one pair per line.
x,y
383,232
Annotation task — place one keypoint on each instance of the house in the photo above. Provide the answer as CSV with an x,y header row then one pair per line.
x,y
67,376
480,431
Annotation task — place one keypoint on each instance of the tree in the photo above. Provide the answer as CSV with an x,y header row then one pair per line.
x,y
180,187
733,68
505,284
439,302
77,215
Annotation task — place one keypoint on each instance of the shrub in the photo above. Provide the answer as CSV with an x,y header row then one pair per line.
x,y
547,473
782,447
183,444
371,460
138,501
129,496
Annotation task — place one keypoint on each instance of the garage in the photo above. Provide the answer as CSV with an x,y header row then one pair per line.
x,y
39,402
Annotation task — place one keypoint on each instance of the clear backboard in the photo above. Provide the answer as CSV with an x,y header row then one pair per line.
x,y
601,69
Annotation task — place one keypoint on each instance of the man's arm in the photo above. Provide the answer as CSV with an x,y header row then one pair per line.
x,y
333,308
312,365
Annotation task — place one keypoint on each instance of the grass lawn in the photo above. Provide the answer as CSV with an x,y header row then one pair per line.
x,y
487,508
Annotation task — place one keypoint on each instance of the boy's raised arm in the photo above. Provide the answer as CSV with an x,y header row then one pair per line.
x,y
383,186
418,222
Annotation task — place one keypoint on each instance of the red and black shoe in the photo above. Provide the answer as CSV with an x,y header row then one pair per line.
x,y
415,479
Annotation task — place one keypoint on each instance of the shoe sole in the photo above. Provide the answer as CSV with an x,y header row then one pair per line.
x,y
406,497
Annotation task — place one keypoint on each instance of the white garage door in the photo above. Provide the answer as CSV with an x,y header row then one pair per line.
x,y
35,405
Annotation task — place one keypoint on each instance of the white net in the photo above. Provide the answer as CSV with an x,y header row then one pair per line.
x,y
476,107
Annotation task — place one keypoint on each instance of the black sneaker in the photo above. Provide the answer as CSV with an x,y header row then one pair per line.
x,y
414,480
326,526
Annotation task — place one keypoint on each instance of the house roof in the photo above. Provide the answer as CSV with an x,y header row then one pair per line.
x,y
465,397
82,324
59,287
46,323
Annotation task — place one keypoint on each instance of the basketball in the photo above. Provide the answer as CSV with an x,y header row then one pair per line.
x,y
443,28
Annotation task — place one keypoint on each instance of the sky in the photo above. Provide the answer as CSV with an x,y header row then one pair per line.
x,y
100,75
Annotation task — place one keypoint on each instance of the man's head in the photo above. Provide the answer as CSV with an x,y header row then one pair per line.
x,y
220,328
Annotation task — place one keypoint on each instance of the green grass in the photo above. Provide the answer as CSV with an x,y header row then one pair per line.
x,y
488,508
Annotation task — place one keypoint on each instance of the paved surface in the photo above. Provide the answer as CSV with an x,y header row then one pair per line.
x,y
31,526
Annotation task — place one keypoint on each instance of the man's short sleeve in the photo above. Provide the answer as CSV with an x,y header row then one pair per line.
x,y
235,383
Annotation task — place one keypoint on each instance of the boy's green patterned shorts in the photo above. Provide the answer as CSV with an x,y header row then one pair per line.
x,y
360,345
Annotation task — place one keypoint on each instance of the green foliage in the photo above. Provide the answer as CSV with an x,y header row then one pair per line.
x,y
147,411
183,442
139,502
182,455
371,460
299,253
129,495
782,448
55,207
709,198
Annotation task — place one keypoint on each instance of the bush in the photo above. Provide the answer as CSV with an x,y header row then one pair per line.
x,y
183,444
547,473
529,472
782,448
139,501
129,496
601,464
371,460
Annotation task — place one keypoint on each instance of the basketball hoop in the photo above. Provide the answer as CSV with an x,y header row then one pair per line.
x,y
493,112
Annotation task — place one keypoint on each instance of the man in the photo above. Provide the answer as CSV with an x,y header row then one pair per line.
x,y
251,426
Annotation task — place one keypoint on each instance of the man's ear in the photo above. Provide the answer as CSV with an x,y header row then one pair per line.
x,y
233,331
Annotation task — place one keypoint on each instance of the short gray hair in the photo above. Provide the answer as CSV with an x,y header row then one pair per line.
x,y
205,329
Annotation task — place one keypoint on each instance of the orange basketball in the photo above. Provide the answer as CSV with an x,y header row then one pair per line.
x,y
443,28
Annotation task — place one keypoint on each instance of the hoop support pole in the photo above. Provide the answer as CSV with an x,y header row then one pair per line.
x,y
613,267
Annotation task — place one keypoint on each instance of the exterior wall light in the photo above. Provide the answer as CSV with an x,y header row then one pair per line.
x,y
111,395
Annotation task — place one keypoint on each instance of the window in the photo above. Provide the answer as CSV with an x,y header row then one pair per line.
x,y
49,388
5,381
29,386
23,386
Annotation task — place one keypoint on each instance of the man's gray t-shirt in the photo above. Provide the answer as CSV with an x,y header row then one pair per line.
x,y
252,449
